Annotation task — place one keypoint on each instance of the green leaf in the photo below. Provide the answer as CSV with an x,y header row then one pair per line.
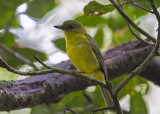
x,y
137,104
37,8
91,20
94,8
61,44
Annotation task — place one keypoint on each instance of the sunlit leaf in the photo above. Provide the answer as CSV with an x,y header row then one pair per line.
x,y
137,104
5,75
21,111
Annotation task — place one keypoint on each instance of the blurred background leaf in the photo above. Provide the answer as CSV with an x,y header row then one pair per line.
x,y
7,11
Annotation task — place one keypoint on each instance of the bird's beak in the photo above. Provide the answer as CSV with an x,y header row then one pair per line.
x,y
59,27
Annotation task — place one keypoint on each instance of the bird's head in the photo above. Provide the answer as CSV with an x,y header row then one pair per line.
x,y
71,26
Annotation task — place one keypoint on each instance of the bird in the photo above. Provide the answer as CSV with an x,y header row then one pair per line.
x,y
85,54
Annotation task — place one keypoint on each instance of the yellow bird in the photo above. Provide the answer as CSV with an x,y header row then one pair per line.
x,y
84,53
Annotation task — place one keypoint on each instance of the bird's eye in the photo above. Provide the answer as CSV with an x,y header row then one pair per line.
x,y
71,26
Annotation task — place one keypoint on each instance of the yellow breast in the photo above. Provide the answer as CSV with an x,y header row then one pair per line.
x,y
81,54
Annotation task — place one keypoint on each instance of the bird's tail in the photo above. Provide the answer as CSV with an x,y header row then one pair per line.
x,y
107,97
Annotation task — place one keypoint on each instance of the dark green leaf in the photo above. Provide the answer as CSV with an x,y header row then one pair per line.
x,y
61,44
94,8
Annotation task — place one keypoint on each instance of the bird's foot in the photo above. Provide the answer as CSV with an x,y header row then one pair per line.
x,y
90,77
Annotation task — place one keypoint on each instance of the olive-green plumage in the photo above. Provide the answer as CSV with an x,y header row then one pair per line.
x,y
84,53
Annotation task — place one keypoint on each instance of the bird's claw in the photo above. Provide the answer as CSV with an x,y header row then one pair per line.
x,y
90,78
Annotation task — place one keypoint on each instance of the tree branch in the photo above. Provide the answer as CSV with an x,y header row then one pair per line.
x,y
138,37
18,56
49,88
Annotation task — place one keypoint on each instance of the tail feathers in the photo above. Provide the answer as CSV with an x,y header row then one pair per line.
x,y
107,97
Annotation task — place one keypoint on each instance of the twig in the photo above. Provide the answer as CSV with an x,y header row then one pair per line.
x,y
132,32
102,109
18,56
155,10
40,61
129,20
69,109
138,37
33,73
139,6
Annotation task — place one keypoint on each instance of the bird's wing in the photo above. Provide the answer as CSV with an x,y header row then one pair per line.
x,y
97,53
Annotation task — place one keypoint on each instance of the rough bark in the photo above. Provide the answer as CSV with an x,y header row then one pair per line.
x,y
52,87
